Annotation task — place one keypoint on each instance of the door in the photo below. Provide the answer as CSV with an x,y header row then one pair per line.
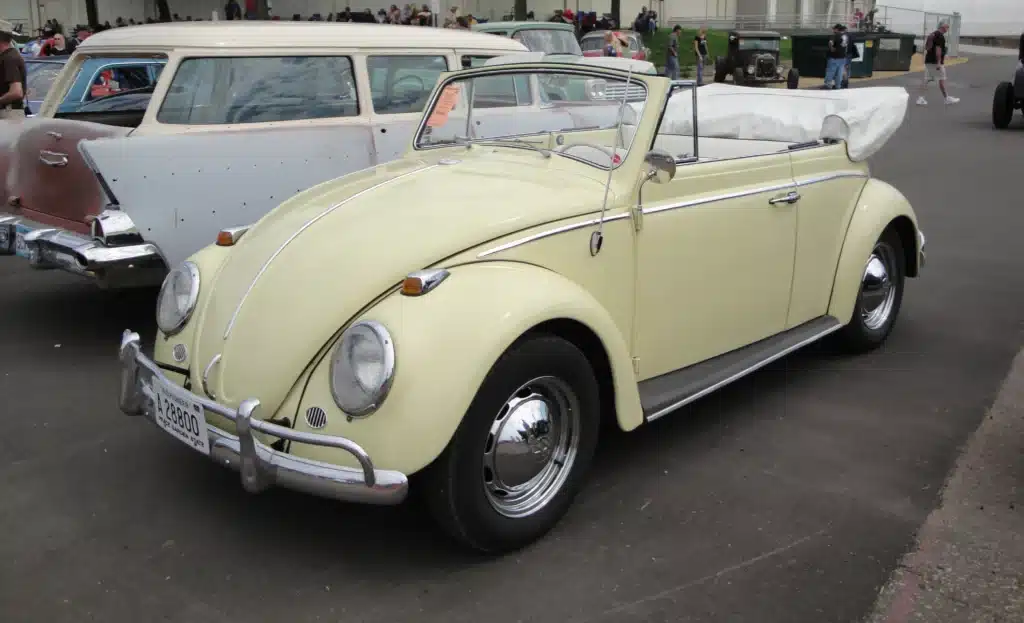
x,y
829,186
715,260
400,85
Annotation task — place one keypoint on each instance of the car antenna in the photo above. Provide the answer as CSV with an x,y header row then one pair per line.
x,y
597,238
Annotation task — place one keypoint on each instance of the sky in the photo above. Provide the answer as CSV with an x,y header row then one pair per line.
x,y
980,17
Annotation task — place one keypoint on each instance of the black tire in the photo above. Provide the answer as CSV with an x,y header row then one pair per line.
x,y
456,487
721,70
1003,105
793,79
865,332
738,77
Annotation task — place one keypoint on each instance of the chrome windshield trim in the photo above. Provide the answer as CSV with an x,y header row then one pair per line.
x,y
549,232
305,226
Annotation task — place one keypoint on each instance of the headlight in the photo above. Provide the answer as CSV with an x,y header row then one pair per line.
x,y
362,367
178,297
750,69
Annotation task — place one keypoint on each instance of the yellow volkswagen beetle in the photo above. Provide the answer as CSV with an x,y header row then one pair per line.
x,y
465,317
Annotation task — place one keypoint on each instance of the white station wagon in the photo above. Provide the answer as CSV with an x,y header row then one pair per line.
x,y
329,98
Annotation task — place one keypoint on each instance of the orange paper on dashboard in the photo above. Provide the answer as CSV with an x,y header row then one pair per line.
x,y
445,103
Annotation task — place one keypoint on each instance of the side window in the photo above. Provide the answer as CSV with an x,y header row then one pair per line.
x,y
402,84
498,91
226,90
116,78
469,62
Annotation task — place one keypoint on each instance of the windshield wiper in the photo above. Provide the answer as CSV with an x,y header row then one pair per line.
x,y
517,141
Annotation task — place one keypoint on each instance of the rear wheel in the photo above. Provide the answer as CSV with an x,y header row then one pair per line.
x,y
793,79
522,450
880,297
738,77
1003,105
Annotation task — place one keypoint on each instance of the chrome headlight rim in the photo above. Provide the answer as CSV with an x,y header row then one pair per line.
x,y
193,298
378,396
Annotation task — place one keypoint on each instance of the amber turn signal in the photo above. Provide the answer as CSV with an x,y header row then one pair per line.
x,y
423,281
229,237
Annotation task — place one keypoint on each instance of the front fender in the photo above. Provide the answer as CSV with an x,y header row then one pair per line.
x,y
880,205
445,343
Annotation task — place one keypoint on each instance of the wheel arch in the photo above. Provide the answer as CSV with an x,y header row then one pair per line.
x,y
880,207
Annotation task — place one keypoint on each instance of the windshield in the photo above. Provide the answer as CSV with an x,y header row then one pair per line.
x,y
516,108
770,45
551,41
39,79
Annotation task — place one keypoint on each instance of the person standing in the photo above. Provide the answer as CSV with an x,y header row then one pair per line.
x,y
672,55
836,57
935,65
700,49
12,75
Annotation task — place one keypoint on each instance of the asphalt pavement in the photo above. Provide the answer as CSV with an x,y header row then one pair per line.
x,y
791,496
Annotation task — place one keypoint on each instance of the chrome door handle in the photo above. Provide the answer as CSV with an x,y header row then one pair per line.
x,y
53,158
790,197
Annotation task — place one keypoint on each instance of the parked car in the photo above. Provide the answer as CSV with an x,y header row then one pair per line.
x,y
549,37
351,94
469,314
753,58
592,44
1008,98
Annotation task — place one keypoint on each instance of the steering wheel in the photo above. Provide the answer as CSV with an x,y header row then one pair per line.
x,y
420,86
608,151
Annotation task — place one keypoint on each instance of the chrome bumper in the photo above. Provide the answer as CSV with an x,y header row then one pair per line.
x,y
48,247
261,466
920,253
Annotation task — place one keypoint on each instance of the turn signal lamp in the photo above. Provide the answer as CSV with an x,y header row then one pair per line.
x,y
423,281
230,236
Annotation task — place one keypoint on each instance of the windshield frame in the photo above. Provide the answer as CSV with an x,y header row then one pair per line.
x,y
588,71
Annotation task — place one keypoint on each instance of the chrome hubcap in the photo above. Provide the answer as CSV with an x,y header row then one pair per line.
x,y
878,293
531,447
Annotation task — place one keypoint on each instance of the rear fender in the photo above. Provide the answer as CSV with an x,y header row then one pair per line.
x,y
179,190
48,176
1018,83
445,344
879,207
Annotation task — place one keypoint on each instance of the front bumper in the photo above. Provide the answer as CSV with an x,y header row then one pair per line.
x,y
261,466
48,247
920,252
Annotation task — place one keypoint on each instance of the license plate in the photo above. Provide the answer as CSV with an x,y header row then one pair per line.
x,y
181,416
20,248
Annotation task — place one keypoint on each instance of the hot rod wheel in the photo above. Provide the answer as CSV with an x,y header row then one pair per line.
x,y
1004,102
523,448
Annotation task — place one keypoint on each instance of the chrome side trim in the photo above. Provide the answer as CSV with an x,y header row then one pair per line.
x,y
742,373
799,183
206,376
828,177
307,225
550,232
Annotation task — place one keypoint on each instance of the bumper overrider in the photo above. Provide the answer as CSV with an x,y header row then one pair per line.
x,y
114,256
260,466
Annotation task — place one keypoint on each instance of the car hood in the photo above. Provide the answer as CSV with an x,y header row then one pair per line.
x,y
311,265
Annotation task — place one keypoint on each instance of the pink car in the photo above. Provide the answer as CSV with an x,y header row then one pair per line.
x,y
592,44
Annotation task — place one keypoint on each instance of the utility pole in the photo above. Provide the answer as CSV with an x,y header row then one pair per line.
x,y
520,10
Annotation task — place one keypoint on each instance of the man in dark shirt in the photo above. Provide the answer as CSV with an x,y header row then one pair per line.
x,y
700,50
12,75
935,65
837,45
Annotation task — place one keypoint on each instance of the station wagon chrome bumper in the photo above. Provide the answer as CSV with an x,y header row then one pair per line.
x,y
128,265
260,465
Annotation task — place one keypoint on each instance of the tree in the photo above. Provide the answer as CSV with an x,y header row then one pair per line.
x,y
91,14
163,11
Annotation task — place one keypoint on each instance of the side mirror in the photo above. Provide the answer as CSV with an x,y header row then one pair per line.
x,y
661,165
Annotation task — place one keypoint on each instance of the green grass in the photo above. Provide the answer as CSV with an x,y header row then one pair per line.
x,y
718,43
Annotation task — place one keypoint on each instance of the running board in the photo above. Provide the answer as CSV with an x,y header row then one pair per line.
x,y
666,393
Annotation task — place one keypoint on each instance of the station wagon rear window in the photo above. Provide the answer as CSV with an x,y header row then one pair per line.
x,y
230,90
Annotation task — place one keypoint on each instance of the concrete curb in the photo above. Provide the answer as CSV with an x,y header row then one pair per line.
x,y
968,562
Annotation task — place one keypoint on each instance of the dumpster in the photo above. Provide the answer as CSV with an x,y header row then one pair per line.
x,y
810,52
894,52
866,44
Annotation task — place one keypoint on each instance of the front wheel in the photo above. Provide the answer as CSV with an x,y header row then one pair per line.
x,y
721,69
738,77
1003,105
793,79
881,294
522,451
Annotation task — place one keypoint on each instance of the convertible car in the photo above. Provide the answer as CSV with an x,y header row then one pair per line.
x,y
462,320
